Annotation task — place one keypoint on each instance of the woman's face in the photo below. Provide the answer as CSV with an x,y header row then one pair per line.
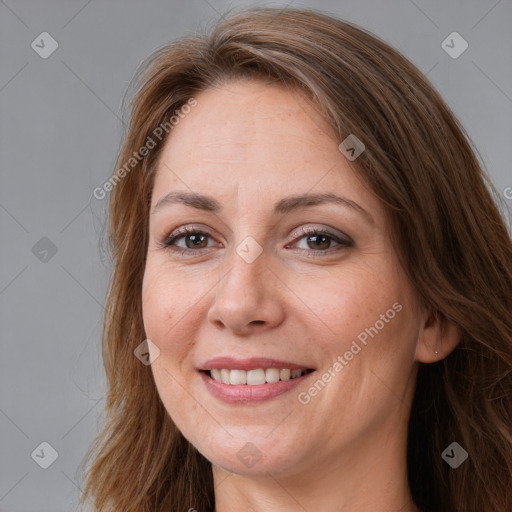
x,y
260,286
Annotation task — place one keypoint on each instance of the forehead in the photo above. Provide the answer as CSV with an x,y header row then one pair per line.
x,y
233,123
254,137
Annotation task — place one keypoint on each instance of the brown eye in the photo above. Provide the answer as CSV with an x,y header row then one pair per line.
x,y
193,240
319,241
197,241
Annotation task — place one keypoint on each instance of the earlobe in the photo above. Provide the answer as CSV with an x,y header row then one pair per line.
x,y
437,338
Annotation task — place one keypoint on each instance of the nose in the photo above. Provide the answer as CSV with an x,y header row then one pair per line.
x,y
248,297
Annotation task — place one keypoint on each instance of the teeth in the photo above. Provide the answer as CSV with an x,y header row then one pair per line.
x,y
237,377
254,377
284,374
224,376
272,375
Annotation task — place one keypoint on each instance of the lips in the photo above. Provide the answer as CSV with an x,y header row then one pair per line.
x,y
252,363
237,381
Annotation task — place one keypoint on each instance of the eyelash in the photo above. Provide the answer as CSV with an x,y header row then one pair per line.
x,y
169,242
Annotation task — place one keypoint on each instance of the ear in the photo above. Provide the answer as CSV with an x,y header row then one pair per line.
x,y
436,334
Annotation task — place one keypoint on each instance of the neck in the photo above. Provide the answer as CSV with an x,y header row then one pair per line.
x,y
370,474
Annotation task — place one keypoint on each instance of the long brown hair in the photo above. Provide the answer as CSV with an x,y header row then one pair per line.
x,y
447,229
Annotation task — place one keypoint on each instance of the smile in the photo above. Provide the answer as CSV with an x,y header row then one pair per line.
x,y
248,380
255,377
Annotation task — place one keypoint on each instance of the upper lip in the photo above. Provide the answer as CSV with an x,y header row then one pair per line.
x,y
251,363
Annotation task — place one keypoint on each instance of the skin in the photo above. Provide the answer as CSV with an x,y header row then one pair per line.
x,y
248,145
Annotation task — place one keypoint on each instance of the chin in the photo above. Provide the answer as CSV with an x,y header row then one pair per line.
x,y
251,455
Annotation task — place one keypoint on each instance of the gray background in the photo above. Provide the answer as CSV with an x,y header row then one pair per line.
x,y
59,132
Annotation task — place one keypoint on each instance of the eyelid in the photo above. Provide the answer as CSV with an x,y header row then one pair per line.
x,y
182,232
341,239
332,232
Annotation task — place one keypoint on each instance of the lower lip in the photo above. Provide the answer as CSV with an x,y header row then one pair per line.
x,y
245,393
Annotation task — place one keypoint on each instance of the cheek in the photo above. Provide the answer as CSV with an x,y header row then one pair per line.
x,y
344,302
168,314
157,313
167,307
367,317
369,325
168,296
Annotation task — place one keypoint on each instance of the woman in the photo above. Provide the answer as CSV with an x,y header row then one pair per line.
x,y
311,303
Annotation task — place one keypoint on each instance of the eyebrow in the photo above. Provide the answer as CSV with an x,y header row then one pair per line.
x,y
283,206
